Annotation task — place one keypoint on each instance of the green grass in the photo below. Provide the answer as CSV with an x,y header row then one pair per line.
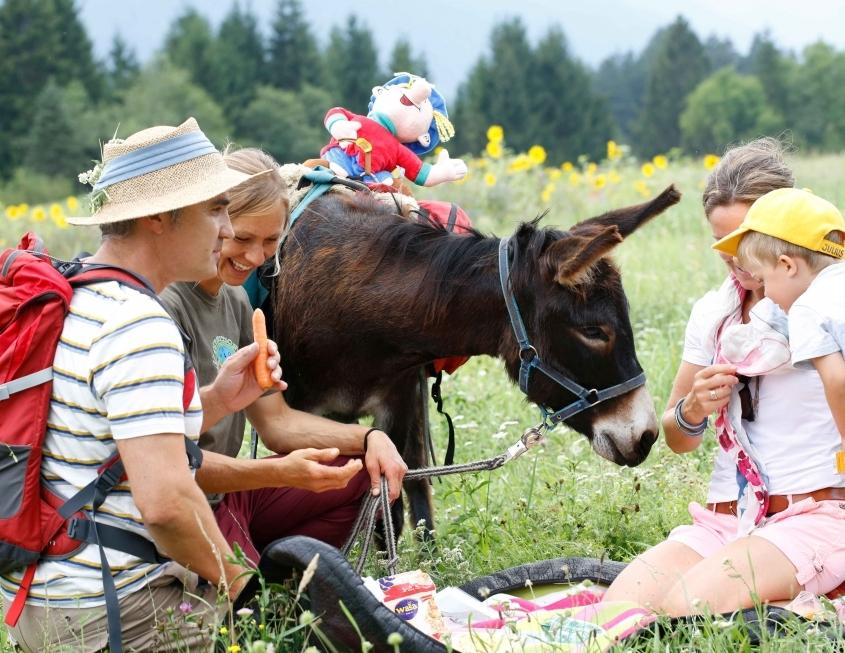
x,y
561,499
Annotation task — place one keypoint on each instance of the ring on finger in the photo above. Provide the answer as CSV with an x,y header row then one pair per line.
x,y
713,395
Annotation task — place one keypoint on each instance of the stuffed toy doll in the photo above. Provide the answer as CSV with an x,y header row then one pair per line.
x,y
406,119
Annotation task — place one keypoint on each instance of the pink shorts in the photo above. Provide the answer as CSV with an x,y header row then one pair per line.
x,y
810,533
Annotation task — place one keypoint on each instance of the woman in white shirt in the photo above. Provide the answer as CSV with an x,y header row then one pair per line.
x,y
800,544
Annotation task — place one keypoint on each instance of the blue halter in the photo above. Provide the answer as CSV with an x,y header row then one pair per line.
x,y
530,359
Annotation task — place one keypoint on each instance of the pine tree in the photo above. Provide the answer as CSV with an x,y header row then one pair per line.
x,y
238,58
721,52
163,94
77,58
123,65
285,123
819,87
620,79
680,63
189,45
52,146
352,65
469,112
773,69
39,39
567,116
293,56
403,60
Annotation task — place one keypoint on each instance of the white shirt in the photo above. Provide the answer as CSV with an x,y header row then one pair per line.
x,y
118,373
817,318
793,432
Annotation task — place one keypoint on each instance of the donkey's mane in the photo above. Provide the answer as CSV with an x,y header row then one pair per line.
x,y
446,262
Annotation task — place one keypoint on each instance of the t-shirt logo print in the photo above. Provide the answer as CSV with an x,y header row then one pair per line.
x,y
221,349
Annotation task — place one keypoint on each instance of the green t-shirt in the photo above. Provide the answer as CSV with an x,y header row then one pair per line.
x,y
218,326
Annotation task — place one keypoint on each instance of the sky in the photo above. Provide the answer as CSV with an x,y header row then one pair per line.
x,y
452,34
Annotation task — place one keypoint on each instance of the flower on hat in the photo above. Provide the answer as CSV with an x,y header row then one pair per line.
x,y
90,177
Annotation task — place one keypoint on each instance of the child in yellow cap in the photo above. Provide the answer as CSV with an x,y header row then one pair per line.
x,y
791,240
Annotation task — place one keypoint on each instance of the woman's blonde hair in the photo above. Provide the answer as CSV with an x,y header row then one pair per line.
x,y
747,172
259,194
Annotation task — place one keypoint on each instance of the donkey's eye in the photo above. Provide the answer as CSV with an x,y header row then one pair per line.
x,y
594,333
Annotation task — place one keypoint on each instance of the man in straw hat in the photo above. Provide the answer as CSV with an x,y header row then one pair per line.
x,y
122,385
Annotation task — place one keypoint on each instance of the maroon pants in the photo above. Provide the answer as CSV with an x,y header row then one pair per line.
x,y
255,518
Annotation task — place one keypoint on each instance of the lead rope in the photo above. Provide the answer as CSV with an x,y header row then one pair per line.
x,y
365,524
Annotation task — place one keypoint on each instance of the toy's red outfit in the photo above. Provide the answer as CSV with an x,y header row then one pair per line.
x,y
387,152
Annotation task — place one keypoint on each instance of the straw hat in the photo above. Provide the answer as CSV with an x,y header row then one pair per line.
x,y
156,170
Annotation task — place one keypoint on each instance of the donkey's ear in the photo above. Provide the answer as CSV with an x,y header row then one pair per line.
x,y
569,259
631,218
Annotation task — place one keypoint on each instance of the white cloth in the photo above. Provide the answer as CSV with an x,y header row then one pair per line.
x,y
755,348
817,318
793,432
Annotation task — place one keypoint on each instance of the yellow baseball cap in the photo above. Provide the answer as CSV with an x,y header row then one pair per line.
x,y
794,215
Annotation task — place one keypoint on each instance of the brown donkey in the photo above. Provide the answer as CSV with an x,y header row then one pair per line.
x,y
365,297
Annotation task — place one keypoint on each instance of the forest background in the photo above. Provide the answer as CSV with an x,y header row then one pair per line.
x,y
270,85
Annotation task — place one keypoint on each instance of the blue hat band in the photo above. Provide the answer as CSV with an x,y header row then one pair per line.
x,y
155,157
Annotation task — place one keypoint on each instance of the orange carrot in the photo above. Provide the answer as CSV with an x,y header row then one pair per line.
x,y
259,334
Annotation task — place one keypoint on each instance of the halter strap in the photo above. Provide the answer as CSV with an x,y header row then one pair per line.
x,y
155,157
529,359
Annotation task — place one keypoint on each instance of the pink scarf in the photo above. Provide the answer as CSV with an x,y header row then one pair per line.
x,y
755,349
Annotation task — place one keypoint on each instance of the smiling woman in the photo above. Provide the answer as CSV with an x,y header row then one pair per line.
x,y
259,213
315,487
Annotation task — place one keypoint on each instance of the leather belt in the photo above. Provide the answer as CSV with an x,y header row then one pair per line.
x,y
780,502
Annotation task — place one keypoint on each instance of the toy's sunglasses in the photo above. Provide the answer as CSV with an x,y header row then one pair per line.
x,y
408,102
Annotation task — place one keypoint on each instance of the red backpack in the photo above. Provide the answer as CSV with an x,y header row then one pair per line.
x,y
35,295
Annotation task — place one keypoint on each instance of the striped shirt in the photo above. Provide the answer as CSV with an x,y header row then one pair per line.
x,y
118,374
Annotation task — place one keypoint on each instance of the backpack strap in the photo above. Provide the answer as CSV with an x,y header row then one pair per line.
x,y
453,216
25,382
112,473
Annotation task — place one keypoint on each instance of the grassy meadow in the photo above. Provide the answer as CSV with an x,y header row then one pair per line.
x,y
559,499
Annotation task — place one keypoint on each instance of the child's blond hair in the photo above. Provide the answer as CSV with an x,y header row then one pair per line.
x,y
757,249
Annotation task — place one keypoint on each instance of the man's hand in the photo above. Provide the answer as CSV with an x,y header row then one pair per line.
x,y
304,469
383,459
